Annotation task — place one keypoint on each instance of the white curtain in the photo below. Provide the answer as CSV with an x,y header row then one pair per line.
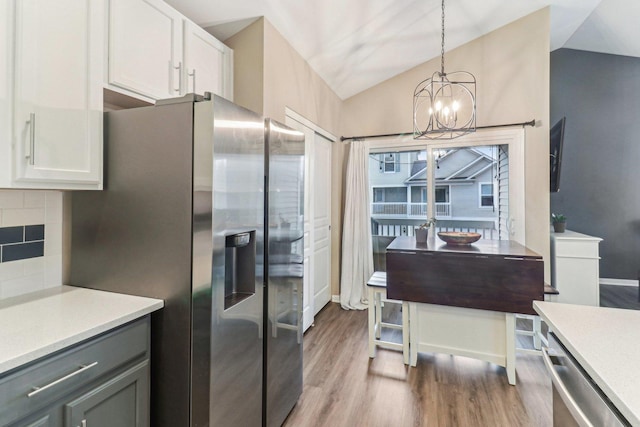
x,y
357,253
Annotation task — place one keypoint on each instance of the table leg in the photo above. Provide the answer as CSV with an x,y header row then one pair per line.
x,y
510,319
413,334
405,332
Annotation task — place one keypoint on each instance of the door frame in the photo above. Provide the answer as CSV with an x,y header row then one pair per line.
x,y
291,115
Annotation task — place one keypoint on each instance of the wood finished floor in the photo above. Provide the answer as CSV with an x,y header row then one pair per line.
x,y
343,387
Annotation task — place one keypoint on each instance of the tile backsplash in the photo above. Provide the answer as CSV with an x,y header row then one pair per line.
x,y
30,241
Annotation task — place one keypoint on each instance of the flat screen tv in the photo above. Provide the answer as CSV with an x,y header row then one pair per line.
x,y
556,139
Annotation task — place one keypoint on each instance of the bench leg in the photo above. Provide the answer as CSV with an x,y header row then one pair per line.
x,y
372,324
537,331
378,298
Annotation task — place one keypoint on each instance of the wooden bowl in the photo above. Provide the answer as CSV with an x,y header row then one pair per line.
x,y
459,237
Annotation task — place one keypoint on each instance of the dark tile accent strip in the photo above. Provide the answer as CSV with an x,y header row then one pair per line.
x,y
21,242
11,235
22,251
33,232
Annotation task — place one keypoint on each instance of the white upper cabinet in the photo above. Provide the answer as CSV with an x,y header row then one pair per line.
x,y
145,48
57,84
6,109
207,63
156,53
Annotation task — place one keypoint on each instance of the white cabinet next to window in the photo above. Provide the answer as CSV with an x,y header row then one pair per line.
x,y
156,53
57,94
575,267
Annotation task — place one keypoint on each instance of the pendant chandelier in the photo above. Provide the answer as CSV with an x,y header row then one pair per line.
x,y
444,106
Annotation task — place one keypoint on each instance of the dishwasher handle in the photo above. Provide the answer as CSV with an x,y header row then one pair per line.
x,y
566,397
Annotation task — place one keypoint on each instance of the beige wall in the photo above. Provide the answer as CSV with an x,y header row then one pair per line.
x,y
511,66
248,69
287,80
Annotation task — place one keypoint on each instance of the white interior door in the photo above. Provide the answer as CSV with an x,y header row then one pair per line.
x,y
321,222
317,220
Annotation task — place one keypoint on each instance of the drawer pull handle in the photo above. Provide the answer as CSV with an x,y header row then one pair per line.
x,y
81,369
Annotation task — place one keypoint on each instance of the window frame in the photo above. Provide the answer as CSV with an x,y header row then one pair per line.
x,y
514,138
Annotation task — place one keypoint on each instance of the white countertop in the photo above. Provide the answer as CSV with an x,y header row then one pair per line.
x,y
606,343
39,323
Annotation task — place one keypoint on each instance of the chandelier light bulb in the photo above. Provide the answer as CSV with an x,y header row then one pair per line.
x,y
455,106
438,105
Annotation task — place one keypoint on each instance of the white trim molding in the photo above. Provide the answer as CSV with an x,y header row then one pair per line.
x,y
308,123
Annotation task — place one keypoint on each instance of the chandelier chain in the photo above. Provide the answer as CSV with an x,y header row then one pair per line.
x,y
442,50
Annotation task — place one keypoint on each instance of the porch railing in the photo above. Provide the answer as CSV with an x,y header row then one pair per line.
x,y
409,209
408,230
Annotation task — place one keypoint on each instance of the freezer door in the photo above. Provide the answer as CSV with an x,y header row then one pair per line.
x,y
285,220
236,286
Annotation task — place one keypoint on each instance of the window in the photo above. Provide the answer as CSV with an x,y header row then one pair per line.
x,y
390,162
486,195
390,195
442,194
418,194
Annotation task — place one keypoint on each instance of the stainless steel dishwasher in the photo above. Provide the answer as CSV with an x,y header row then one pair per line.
x,y
577,400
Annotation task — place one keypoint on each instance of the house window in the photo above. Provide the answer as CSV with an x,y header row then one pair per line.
x,y
390,162
442,194
390,195
486,195
418,194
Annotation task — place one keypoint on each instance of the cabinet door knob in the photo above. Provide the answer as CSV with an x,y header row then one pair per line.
x,y
193,74
172,69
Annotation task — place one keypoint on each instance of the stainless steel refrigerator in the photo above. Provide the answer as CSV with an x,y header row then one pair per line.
x,y
203,207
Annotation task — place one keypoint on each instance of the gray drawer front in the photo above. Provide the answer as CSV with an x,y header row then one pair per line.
x,y
65,370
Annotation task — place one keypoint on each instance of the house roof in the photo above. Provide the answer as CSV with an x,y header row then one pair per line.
x,y
453,166
356,44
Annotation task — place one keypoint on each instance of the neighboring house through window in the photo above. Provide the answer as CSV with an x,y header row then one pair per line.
x,y
390,162
486,195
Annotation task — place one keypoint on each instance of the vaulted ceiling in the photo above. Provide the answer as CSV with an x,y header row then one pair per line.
x,y
356,44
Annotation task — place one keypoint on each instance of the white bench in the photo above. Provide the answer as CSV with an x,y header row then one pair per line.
x,y
550,294
377,293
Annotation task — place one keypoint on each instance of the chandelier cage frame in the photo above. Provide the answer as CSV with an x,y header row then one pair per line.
x,y
435,106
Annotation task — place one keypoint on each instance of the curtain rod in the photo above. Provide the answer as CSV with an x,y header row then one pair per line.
x,y
523,124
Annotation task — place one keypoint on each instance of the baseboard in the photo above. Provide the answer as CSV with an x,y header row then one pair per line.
x,y
335,298
618,282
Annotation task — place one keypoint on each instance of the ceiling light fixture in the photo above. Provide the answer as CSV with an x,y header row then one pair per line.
x,y
444,106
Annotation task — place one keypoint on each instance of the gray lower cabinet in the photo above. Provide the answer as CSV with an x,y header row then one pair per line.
x,y
103,381
120,402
